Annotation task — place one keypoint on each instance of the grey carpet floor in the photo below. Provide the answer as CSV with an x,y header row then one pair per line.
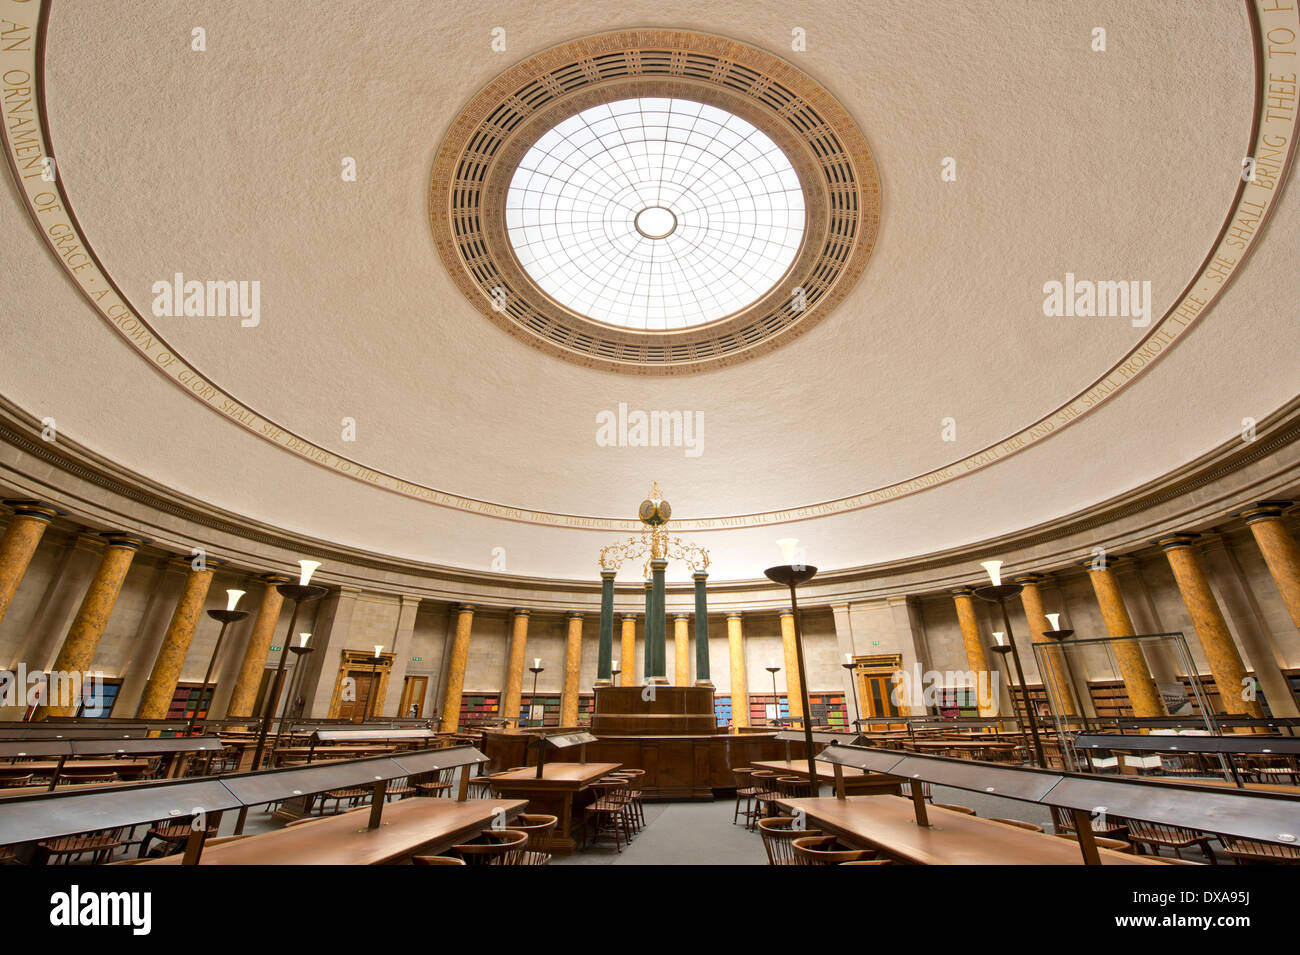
x,y
681,833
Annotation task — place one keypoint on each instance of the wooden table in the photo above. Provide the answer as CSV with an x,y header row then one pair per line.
x,y
123,767
952,838
409,827
856,781
349,751
1225,784
563,791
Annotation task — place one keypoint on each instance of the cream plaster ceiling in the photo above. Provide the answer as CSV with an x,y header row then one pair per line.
x,y
225,164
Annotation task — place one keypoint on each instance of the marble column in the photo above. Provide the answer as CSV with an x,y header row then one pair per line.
x,y
647,663
515,664
249,680
702,677
739,688
170,661
19,544
1031,599
1280,551
976,654
681,650
627,665
456,664
605,646
1138,682
793,692
572,671
657,622
78,650
1211,629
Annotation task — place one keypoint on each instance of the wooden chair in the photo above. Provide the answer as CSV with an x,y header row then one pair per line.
x,y
827,850
7,855
101,845
399,789
634,795
778,839
1118,845
436,860
1248,851
794,787
1154,835
356,796
172,835
1018,824
87,780
499,847
438,783
745,790
607,813
1273,769
766,796
540,829
964,810
16,782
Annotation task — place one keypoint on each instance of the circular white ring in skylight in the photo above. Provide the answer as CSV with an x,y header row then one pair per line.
x,y
655,214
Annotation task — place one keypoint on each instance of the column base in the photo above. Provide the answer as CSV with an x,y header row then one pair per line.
x,y
704,683
659,681
603,683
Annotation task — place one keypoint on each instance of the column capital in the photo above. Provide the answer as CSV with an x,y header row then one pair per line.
x,y
465,608
1263,511
520,612
963,591
124,540
575,614
700,575
24,507
628,617
735,614
787,612
681,616
274,579
608,574
1176,540
1027,579
1108,563
658,563
407,600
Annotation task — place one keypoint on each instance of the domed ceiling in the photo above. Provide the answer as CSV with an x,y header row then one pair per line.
x,y
373,398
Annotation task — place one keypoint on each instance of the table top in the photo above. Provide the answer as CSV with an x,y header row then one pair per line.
x,y
961,744
554,776
409,827
1224,784
889,823
45,765
799,767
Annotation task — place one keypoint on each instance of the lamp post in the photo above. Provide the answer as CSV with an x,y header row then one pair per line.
x,y
792,575
227,617
302,592
613,673
1003,648
1060,636
776,700
850,667
298,651
366,712
998,592
535,669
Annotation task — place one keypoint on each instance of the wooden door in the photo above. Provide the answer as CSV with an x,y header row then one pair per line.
x,y
414,690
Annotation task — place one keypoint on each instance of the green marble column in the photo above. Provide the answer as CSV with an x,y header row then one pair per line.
x,y
605,653
647,654
701,632
656,625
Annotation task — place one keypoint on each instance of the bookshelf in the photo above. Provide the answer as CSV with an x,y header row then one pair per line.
x,y
758,708
186,699
722,709
477,707
828,709
107,697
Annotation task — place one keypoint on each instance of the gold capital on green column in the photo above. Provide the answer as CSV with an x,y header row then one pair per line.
x,y
1133,670
739,689
158,692
572,671
78,650
19,544
456,664
249,680
976,656
793,691
515,663
1211,629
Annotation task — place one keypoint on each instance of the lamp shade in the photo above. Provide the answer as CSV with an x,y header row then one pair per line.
x,y
303,638
994,568
232,599
308,568
789,549
1054,620
1001,638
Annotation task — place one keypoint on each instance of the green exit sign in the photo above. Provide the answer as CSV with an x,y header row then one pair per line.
x,y
275,649
416,659
875,643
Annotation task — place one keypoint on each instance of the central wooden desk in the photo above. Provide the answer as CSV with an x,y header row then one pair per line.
x,y
563,790
952,838
856,781
409,827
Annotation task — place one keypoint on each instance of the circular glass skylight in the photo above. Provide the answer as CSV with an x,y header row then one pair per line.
x,y
655,214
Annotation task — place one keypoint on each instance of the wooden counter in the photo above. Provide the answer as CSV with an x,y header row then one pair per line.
x,y
409,827
889,824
